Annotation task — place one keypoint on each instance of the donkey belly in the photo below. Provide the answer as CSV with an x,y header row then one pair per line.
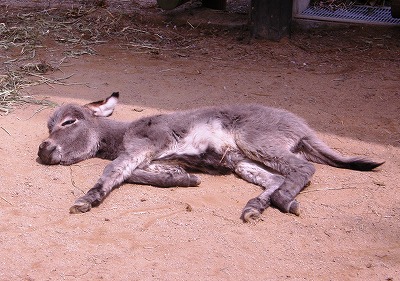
x,y
209,162
204,148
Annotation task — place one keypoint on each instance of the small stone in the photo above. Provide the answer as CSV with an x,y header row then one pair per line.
x,y
188,208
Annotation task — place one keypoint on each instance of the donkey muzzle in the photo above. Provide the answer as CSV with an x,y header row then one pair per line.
x,y
49,153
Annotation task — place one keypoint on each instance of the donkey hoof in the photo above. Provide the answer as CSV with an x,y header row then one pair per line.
x,y
294,208
80,206
194,180
250,215
253,209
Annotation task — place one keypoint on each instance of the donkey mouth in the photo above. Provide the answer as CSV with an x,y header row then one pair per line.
x,y
49,153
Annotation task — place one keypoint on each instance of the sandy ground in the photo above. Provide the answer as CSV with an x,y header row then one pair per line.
x,y
343,81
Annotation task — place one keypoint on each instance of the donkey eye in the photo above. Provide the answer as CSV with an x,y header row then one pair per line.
x,y
68,122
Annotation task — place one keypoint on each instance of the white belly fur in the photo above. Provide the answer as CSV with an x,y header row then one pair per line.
x,y
201,137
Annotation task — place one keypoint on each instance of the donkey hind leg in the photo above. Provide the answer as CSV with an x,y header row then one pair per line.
x,y
297,173
163,176
254,173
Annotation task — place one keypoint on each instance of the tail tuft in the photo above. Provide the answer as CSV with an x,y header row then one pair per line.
x,y
361,164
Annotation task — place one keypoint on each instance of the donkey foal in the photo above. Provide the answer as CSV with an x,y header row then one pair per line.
x,y
268,147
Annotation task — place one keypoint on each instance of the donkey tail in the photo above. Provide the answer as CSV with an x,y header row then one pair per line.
x,y
316,151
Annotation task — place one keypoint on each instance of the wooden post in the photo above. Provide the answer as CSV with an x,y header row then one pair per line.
x,y
395,8
270,19
215,4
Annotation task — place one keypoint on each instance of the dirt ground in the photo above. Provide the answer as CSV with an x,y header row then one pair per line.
x,y
344,81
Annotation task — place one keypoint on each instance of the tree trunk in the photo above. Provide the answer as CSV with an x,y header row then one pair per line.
x,y
215,4
270,19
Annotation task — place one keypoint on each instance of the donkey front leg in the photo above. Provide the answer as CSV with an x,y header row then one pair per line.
x,y
92,198
163,176
114,175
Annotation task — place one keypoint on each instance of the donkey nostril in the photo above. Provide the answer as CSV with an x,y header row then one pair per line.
x,y
43,145
47,146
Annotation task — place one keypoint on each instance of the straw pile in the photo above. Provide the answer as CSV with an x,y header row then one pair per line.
x,y
76,31
22,36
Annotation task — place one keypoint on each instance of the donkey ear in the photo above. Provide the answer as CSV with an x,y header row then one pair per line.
x,y
104,108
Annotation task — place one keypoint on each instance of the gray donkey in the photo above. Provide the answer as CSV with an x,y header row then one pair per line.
x,y
268,147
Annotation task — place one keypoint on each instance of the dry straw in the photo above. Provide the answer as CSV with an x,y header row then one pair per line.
x,y
13,82
75,31
22,36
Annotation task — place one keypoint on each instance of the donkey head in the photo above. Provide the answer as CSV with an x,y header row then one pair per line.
x,y
74,132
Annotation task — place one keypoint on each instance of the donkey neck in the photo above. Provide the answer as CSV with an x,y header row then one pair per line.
x,y
111,136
